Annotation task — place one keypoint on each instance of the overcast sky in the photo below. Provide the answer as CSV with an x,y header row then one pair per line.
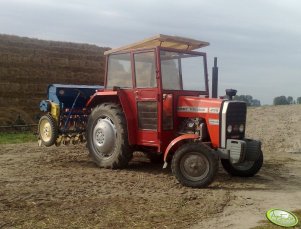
x,y
258,42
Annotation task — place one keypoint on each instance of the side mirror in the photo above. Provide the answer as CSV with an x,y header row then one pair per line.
x,y
230,93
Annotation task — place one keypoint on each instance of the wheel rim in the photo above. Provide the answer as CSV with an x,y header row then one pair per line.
x,y
104,136
45,130
194,166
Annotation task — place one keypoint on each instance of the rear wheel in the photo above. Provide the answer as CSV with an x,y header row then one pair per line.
x,y
194,166
107,137
48,130
245,169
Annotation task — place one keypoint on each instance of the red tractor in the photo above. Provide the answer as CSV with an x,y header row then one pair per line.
x,y
155,99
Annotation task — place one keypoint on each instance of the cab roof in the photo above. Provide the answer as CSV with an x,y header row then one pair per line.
x,y
181,43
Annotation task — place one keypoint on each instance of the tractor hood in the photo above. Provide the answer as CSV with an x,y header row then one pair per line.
x,y
192,106
218,115
208,109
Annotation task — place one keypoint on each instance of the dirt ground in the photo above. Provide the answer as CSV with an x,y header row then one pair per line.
x,y
62,188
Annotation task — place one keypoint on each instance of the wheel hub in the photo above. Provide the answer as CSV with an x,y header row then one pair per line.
x,y
194,166
100,137
45,130
104,136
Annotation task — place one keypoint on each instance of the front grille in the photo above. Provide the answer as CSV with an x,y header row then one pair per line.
x,y
236,115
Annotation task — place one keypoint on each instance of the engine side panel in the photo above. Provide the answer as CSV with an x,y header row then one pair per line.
x,y
208,109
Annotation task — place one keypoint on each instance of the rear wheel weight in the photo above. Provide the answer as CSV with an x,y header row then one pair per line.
x,y
48,130
107,137
194,166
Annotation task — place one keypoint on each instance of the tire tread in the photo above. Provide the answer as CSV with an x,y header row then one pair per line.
x,y
125,153
243,173
198,147
54,128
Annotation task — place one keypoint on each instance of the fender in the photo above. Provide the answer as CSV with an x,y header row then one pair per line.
x,y
174,142
98,96
117,97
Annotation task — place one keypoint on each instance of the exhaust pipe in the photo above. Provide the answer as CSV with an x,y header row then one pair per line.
x,y
214,79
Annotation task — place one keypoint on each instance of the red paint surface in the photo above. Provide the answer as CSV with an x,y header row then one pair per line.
x,y
161,139
178,139
197,102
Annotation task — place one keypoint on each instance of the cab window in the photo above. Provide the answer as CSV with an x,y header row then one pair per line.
x,y
182,71
145,70
119,71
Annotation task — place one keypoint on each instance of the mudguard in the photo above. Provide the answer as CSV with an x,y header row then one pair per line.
x,y
175,141
117,97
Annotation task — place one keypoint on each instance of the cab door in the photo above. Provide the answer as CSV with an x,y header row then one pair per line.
x,y
147,98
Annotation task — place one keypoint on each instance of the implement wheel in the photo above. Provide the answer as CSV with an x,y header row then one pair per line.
x,y
48,130
107,137
194,166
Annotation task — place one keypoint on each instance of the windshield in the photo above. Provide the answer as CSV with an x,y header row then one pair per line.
x,y
181,71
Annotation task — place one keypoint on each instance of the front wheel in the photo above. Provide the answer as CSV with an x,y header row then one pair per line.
x,y
245,169
194,165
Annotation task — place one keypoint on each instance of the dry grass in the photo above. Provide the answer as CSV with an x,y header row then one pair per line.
x,y
29,65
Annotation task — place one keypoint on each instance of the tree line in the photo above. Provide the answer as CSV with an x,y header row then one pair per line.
x,y
248,99
279,100
282,100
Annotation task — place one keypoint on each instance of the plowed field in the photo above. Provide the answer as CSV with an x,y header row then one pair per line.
x,y
62,188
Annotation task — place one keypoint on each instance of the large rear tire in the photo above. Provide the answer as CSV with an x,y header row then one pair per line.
x,y
107,137
194,165
245,169
48,130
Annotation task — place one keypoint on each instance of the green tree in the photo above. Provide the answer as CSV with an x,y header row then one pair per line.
x,y
280,100
248,99
255,103
244,98
290,100
299,100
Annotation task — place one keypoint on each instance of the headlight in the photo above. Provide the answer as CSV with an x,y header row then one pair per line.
x,y
241,128
229,129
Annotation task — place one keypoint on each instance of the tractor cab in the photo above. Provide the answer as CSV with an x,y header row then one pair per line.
x,y
151,76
